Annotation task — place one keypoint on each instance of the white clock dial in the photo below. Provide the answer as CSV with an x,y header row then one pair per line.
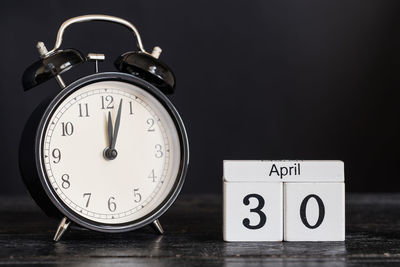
x,y
142,175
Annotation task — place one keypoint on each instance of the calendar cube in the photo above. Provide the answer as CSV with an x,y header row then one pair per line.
x,y
253,211
314,212
292,200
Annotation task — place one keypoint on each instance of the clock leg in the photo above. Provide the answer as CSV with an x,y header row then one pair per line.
x,y
156,225
62,227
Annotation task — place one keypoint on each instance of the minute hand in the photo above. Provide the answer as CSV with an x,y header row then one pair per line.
x,y
116,126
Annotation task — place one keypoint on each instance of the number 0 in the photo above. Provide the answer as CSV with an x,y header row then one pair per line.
x,y
303,208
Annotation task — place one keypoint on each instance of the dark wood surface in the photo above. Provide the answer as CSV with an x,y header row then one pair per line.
x,y
194,237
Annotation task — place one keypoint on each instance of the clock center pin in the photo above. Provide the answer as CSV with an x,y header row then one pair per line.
x,y
110,153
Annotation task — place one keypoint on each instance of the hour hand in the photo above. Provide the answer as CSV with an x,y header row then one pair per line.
x,y
110,129
110,153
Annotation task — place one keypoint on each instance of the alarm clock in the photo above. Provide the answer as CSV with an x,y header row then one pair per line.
x,y
108,152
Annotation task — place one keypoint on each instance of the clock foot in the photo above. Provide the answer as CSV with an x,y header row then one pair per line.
x,y
62,227
156,225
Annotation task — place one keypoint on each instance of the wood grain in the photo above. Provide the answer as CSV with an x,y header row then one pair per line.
x,y
194,237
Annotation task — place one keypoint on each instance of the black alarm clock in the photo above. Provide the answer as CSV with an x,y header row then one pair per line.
x,y
108,152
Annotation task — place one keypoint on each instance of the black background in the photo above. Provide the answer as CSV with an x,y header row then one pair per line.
x,y
255,79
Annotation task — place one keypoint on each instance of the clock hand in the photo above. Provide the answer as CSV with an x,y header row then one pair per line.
x,y
116,126
110,152
110,129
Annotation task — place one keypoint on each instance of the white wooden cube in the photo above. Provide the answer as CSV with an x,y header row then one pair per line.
x,y
314,211
253,211
294,200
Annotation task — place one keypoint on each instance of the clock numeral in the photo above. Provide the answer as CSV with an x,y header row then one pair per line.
x,y
88,195
67,128
137,195
153,176
65,181
130,108
107,102
159,152
56,153
84,110
150,123
111,204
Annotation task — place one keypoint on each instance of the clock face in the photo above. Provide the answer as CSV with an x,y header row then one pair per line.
x,y
76,139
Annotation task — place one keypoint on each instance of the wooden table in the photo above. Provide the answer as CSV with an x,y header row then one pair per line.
x,y
194,237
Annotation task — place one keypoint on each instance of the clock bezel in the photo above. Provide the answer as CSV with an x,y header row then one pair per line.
x,y
183,141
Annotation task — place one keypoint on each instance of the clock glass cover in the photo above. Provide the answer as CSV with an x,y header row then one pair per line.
x,y
143,168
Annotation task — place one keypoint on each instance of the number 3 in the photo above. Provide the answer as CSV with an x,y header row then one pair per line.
x,y
263,217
